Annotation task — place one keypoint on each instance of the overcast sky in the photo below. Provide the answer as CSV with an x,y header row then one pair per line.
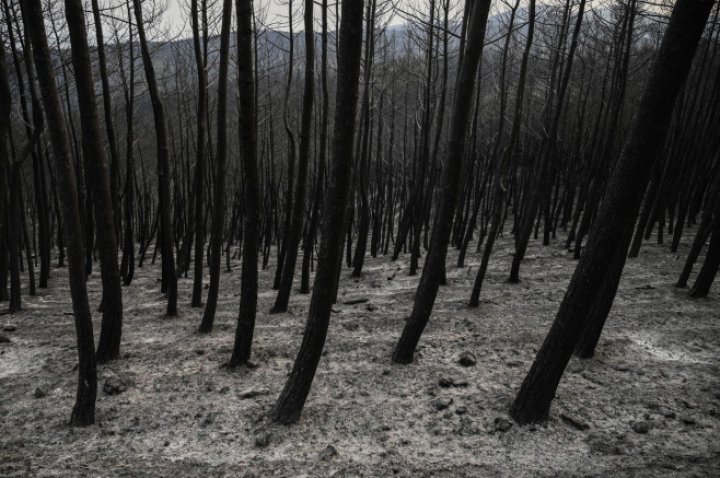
x,y
177,15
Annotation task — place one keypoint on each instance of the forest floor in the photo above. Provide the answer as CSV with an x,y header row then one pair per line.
x,y
647,405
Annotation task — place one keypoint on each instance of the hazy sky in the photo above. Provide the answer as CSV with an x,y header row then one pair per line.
x,y
177,14
178,10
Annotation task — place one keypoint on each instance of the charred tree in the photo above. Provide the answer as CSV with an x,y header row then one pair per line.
x,y
251,193
435,260
218,218
709,269
613,228
83,413
5,122
506,161
290,403
309,243
169,282
283,242
198,222
94,153
108,112
127,264
292,237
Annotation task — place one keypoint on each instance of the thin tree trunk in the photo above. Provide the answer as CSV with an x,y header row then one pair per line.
x,y
165,233
5,111
127,266
292,237
198,220
109,129
505,166
290,403
251,194
94,153
712,260
218,219
435,260
282,243
309,245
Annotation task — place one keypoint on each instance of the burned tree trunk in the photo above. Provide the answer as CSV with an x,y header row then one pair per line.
x,y
309,243
283,242
548,150
435,260
109,128
5,110
505,166
83,413
292,237
94,153
165,233
290,403
200,166
218,217
712,260
127,265
613,228
251,192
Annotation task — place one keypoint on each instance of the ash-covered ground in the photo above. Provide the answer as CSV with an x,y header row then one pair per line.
x,y
647,405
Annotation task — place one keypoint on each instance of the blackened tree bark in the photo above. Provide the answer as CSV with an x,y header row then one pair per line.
x,y
251,191
309,243
199,185
109,128
364,137
712,260
84,410
163,171
127,265
540,186
94,153
435,260
42,206
5,110
603,302
82,173
701,237
412,222
10,195
290,403
506,160
298,204
600,310
26,241
33,128
612,231
218,210
282,244
16,225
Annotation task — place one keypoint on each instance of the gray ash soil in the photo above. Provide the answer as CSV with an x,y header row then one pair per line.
x,y
647,405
